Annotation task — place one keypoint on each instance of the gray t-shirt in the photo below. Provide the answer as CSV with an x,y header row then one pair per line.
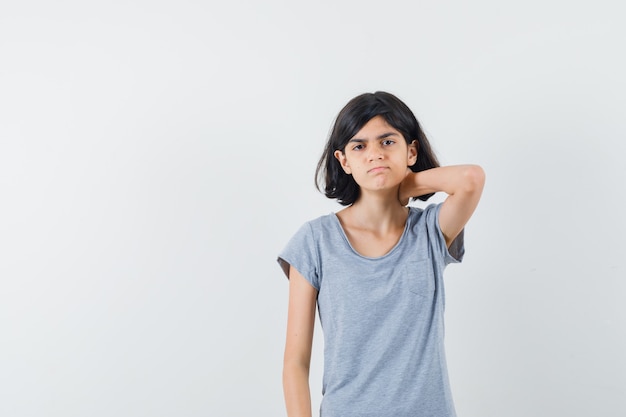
x,y
382,318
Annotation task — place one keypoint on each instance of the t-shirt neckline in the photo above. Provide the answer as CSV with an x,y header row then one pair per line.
x,y
375,258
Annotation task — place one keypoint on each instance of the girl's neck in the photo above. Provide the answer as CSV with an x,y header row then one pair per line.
x,y
376,211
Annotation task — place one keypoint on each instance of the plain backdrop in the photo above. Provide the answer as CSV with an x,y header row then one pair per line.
x,y
155,157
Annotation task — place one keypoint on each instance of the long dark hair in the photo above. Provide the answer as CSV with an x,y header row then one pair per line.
x,y
329,175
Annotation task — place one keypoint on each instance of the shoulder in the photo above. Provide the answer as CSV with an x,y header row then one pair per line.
x,y
312,229
428,213
318,224
322,220
425,222
305,248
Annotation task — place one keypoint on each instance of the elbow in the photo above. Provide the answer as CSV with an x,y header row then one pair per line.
x,y
294,373
473,179
295,366
296,363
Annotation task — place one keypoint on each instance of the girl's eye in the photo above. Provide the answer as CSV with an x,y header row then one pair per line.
x,y
388,142
357,148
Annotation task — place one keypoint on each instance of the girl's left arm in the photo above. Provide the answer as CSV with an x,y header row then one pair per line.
x,y
463,184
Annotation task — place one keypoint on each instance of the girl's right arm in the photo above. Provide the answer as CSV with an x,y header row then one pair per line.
x,y
297,360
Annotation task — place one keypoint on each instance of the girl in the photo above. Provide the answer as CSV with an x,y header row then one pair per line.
x,y
374,269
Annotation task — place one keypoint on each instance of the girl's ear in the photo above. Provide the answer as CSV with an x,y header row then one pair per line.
x,y
412,153
341,157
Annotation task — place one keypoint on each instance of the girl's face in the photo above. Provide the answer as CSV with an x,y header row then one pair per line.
x,y
377,157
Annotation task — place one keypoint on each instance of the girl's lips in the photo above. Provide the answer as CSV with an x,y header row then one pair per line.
x,y
377,169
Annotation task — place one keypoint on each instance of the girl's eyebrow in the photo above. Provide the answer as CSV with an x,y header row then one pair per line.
x,y
383,136
386,135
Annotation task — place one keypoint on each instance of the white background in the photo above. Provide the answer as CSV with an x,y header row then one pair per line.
x,y
156,155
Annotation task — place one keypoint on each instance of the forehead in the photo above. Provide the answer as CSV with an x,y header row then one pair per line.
x,y
376,126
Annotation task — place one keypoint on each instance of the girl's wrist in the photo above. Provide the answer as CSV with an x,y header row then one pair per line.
x,y
407,187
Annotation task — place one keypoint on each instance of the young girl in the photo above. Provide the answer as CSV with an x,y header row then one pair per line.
x,y
374,269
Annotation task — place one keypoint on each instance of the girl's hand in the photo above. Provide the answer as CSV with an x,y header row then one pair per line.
x,y
415,185
406,187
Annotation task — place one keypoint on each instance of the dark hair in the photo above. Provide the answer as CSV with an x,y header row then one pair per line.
x,y
360,110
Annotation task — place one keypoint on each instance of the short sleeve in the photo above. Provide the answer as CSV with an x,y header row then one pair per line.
x,y
301,253
455,253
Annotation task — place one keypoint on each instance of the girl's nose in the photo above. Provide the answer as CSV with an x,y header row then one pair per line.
x,y
375,153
